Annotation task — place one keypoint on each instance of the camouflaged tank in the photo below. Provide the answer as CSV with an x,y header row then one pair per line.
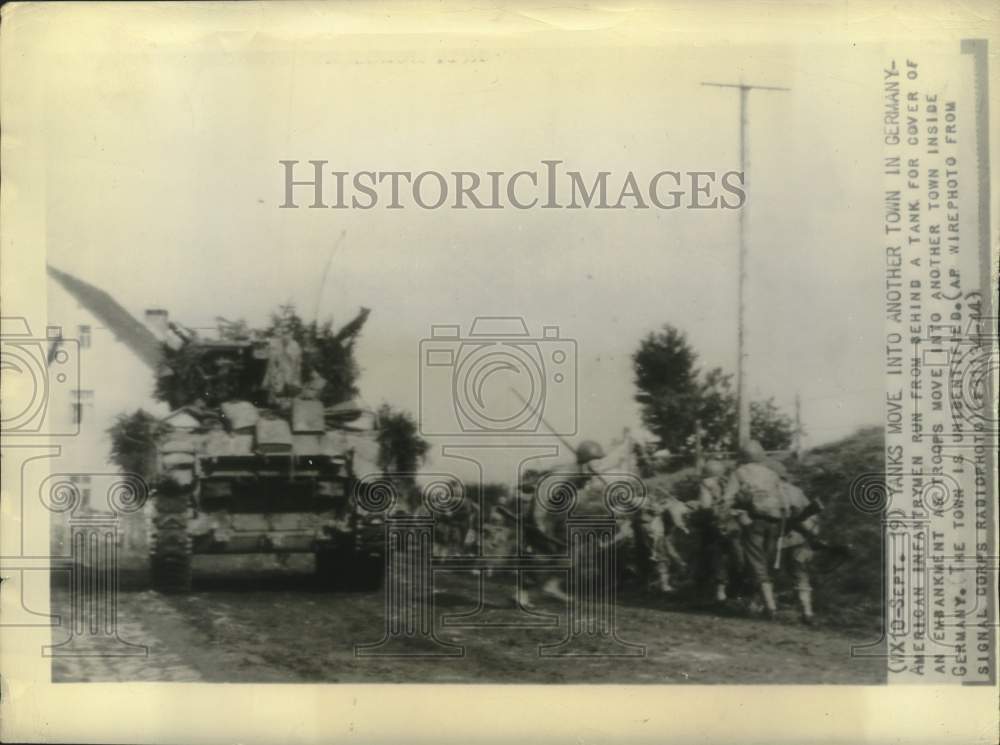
x,y
248,480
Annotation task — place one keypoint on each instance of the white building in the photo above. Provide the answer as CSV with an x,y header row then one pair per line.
x,y
110,361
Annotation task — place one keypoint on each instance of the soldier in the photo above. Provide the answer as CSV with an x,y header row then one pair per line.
x,y
795,544
757,489
545,523
644,539
498,538
458,531
722,530
667,516
657,524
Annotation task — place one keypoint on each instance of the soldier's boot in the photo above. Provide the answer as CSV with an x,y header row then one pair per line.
x,y
806,605
664,574
767,592
720,593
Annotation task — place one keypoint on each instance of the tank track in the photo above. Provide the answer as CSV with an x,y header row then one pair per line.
x,y
351,565
170,543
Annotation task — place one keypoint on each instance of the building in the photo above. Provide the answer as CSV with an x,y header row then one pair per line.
x,y
111,360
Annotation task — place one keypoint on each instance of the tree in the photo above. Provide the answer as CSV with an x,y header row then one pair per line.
x,y
325,351
677,397
716,410
192,374
772,428
401,449
133,442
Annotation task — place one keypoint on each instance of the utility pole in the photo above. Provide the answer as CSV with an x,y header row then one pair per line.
x,y
699,453
742,395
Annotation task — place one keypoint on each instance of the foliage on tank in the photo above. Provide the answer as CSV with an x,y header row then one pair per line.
x,y
288,358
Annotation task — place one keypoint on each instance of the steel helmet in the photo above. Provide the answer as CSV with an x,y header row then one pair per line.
x,y
753,452
589,450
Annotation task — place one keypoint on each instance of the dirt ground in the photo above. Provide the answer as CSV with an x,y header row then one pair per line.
x,y
279,626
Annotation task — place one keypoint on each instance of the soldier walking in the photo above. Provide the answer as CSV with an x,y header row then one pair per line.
x,y
543,515
658,522
782,524
723,529
796,544
756,489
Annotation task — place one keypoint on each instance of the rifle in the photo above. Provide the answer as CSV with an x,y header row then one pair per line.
x,y
536,532
563,440
840,551
836,553
797,524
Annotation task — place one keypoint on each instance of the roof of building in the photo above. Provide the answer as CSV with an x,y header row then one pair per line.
x,y
115,318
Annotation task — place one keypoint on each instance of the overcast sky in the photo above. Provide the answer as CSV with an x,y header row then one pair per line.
x,y
163,188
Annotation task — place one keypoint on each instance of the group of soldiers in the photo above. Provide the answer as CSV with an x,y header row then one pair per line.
x,y
749,523
758,519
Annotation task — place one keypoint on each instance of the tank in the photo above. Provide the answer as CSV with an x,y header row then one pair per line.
x,y
242,478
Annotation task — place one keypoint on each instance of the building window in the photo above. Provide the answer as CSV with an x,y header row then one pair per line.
x,y
83,405
83,335
82,484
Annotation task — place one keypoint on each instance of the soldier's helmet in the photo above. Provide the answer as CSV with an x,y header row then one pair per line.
x,y
714,469
588,451
753,452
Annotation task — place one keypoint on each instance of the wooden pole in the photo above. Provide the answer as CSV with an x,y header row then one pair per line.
x,y
742,394
742,397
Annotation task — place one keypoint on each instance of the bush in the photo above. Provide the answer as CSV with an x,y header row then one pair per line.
x,y
134,438
852,592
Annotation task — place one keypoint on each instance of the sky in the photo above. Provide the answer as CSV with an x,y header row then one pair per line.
x,y
163,186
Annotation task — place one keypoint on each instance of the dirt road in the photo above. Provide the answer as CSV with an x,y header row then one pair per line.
x,y
280,627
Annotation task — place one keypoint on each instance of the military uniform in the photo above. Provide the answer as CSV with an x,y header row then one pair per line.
x,y
498,535
544,526
756,489
723,533
770,503
797,549
644,539
545,520
657,523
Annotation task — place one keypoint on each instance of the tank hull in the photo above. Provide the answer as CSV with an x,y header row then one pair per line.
x,y
266,485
